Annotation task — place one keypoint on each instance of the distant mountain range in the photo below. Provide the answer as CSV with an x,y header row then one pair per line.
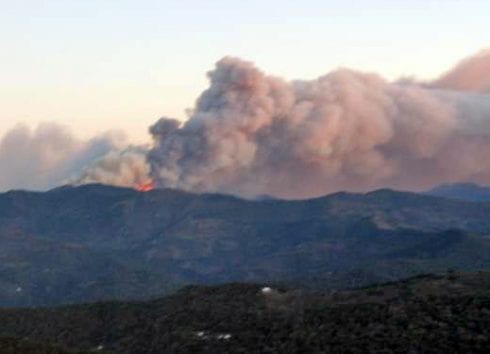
x,y
95,242
429,314
462,191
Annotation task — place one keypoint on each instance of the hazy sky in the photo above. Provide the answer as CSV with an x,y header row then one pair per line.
x,y
98,64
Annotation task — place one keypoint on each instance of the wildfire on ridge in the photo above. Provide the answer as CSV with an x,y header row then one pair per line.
x,y
145,187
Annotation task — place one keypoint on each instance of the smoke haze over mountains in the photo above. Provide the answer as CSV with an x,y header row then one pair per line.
x,y
254,134
49,155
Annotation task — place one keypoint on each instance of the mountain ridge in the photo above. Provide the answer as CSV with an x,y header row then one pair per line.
x,y
98,242
462,191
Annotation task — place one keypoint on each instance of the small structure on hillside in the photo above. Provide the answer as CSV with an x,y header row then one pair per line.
x,y
266,290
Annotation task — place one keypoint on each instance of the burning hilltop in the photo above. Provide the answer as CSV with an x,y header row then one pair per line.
x,y
145,187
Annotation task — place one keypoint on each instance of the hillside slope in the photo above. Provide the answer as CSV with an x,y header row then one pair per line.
x,y
462,191
96,242
439,314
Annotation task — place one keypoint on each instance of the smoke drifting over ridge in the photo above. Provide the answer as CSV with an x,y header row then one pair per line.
x,y
252,134
126,168
51,155
40,158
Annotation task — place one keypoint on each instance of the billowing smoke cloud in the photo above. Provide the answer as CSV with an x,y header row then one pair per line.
x,y
50,155
472,74
127,168
253,134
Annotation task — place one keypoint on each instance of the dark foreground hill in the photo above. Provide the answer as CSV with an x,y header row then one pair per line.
x,y
9,345
448,313
94,242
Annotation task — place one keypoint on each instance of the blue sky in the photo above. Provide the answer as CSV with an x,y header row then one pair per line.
x,y
96,65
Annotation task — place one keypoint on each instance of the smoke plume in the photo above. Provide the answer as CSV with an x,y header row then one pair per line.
x,y
471,74
127,168
253,134
51,155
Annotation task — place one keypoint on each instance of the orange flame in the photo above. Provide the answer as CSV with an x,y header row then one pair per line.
x,y
145,187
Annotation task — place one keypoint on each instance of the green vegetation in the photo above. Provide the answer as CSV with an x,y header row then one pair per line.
x,y
448,313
